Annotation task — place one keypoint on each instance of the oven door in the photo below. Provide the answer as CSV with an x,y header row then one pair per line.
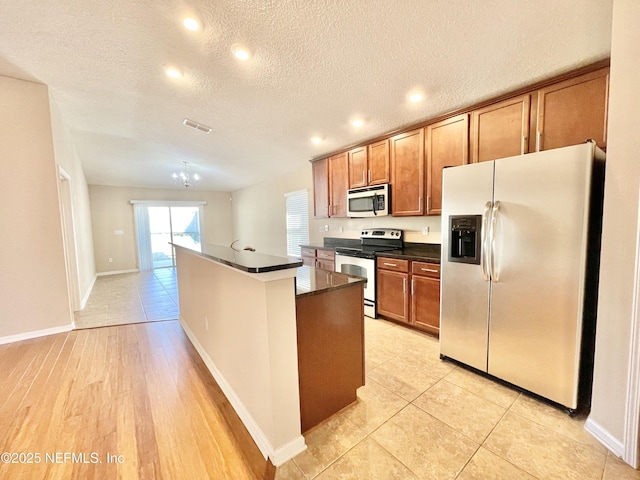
x,y
361,267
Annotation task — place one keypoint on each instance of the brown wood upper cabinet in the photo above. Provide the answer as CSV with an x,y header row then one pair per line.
x,y
447,145
407,173
573,111
320,170
330,184
358,167
379,162
338,185
369,165
500,130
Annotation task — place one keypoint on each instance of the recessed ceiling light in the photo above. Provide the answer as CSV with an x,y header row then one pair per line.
x,y
241,52
191,23
173,72
416,97
316,140
357,122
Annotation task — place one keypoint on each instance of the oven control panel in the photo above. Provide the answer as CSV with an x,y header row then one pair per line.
x,y
391,233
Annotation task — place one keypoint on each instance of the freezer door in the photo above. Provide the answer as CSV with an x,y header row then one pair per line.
x,y
464,294
537,292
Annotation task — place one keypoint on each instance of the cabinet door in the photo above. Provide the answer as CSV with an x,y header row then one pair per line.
x,y
358,167
321,188
407,173
500,130
447,145
573,111
325,264
338,185
425,303
379,163
393,296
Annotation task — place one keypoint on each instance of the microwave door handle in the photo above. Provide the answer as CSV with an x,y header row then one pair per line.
x,y
375,201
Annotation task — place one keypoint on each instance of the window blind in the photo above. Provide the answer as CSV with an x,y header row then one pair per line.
x,y
297,206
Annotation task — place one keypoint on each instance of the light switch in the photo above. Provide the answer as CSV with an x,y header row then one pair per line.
x,y
118,232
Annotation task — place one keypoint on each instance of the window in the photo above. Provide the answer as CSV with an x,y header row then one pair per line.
x,y
297,204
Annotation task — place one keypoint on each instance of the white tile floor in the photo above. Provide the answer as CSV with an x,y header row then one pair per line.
x,y
131,298
419,417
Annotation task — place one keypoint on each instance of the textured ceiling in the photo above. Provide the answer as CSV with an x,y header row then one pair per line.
x,y
316,63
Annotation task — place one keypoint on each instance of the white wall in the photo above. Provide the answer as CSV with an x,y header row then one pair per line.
x,y
619,228
111,210
67,157
33,283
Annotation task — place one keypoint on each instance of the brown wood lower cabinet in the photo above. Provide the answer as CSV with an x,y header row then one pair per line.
x,y
425,296
319,258
409,292
393,297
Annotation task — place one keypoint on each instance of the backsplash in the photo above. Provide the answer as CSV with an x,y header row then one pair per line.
x,y
425,229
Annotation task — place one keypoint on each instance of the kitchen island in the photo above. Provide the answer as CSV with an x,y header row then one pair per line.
x,y
330,328
266,341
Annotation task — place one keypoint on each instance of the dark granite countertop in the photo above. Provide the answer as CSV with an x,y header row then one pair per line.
x,y
318,247
423,252
313,281
247,261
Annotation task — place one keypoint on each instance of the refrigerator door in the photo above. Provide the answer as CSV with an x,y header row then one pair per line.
x,y
464,297
539,261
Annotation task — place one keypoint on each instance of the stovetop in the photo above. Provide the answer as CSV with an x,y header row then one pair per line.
x,y
373,241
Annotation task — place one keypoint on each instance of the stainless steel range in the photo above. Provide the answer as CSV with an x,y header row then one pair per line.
x,y
361,260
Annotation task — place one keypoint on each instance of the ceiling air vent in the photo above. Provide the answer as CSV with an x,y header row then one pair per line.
x,y
196,125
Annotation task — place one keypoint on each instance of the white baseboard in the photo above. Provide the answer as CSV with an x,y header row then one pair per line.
x,y
35,334
288,451
279,456
116,272
85,299
604,437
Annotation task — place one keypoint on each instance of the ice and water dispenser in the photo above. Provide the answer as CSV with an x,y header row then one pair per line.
x,y
464,238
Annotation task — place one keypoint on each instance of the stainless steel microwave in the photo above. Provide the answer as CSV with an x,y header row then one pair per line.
x,y
369,201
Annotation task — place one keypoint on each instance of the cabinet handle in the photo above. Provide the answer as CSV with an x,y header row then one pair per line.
x,y
390,264
404,285
369,176
524,139
419,203
428,203
413,289
363,180
538,140
429,270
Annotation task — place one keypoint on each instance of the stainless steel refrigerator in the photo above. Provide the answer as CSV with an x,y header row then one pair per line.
x,y
520,252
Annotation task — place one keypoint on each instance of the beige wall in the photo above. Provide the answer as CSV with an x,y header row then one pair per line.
x,y
33,284
111,210
67,157
620,221
259,217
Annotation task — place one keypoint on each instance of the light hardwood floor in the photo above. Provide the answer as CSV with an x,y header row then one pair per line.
x,y
139,392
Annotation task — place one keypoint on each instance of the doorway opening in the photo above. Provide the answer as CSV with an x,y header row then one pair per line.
x,y
159,224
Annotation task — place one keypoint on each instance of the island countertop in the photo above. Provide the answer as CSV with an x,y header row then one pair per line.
x,y
312,280
247,261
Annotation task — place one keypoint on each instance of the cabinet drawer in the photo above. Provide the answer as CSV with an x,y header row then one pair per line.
x,y
427,269
393,264
325,254
308,252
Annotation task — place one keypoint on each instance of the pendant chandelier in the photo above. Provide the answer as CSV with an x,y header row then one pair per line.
x,y
185,178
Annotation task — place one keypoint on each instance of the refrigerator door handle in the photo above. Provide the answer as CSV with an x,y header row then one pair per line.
x,y
493,272
484,256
